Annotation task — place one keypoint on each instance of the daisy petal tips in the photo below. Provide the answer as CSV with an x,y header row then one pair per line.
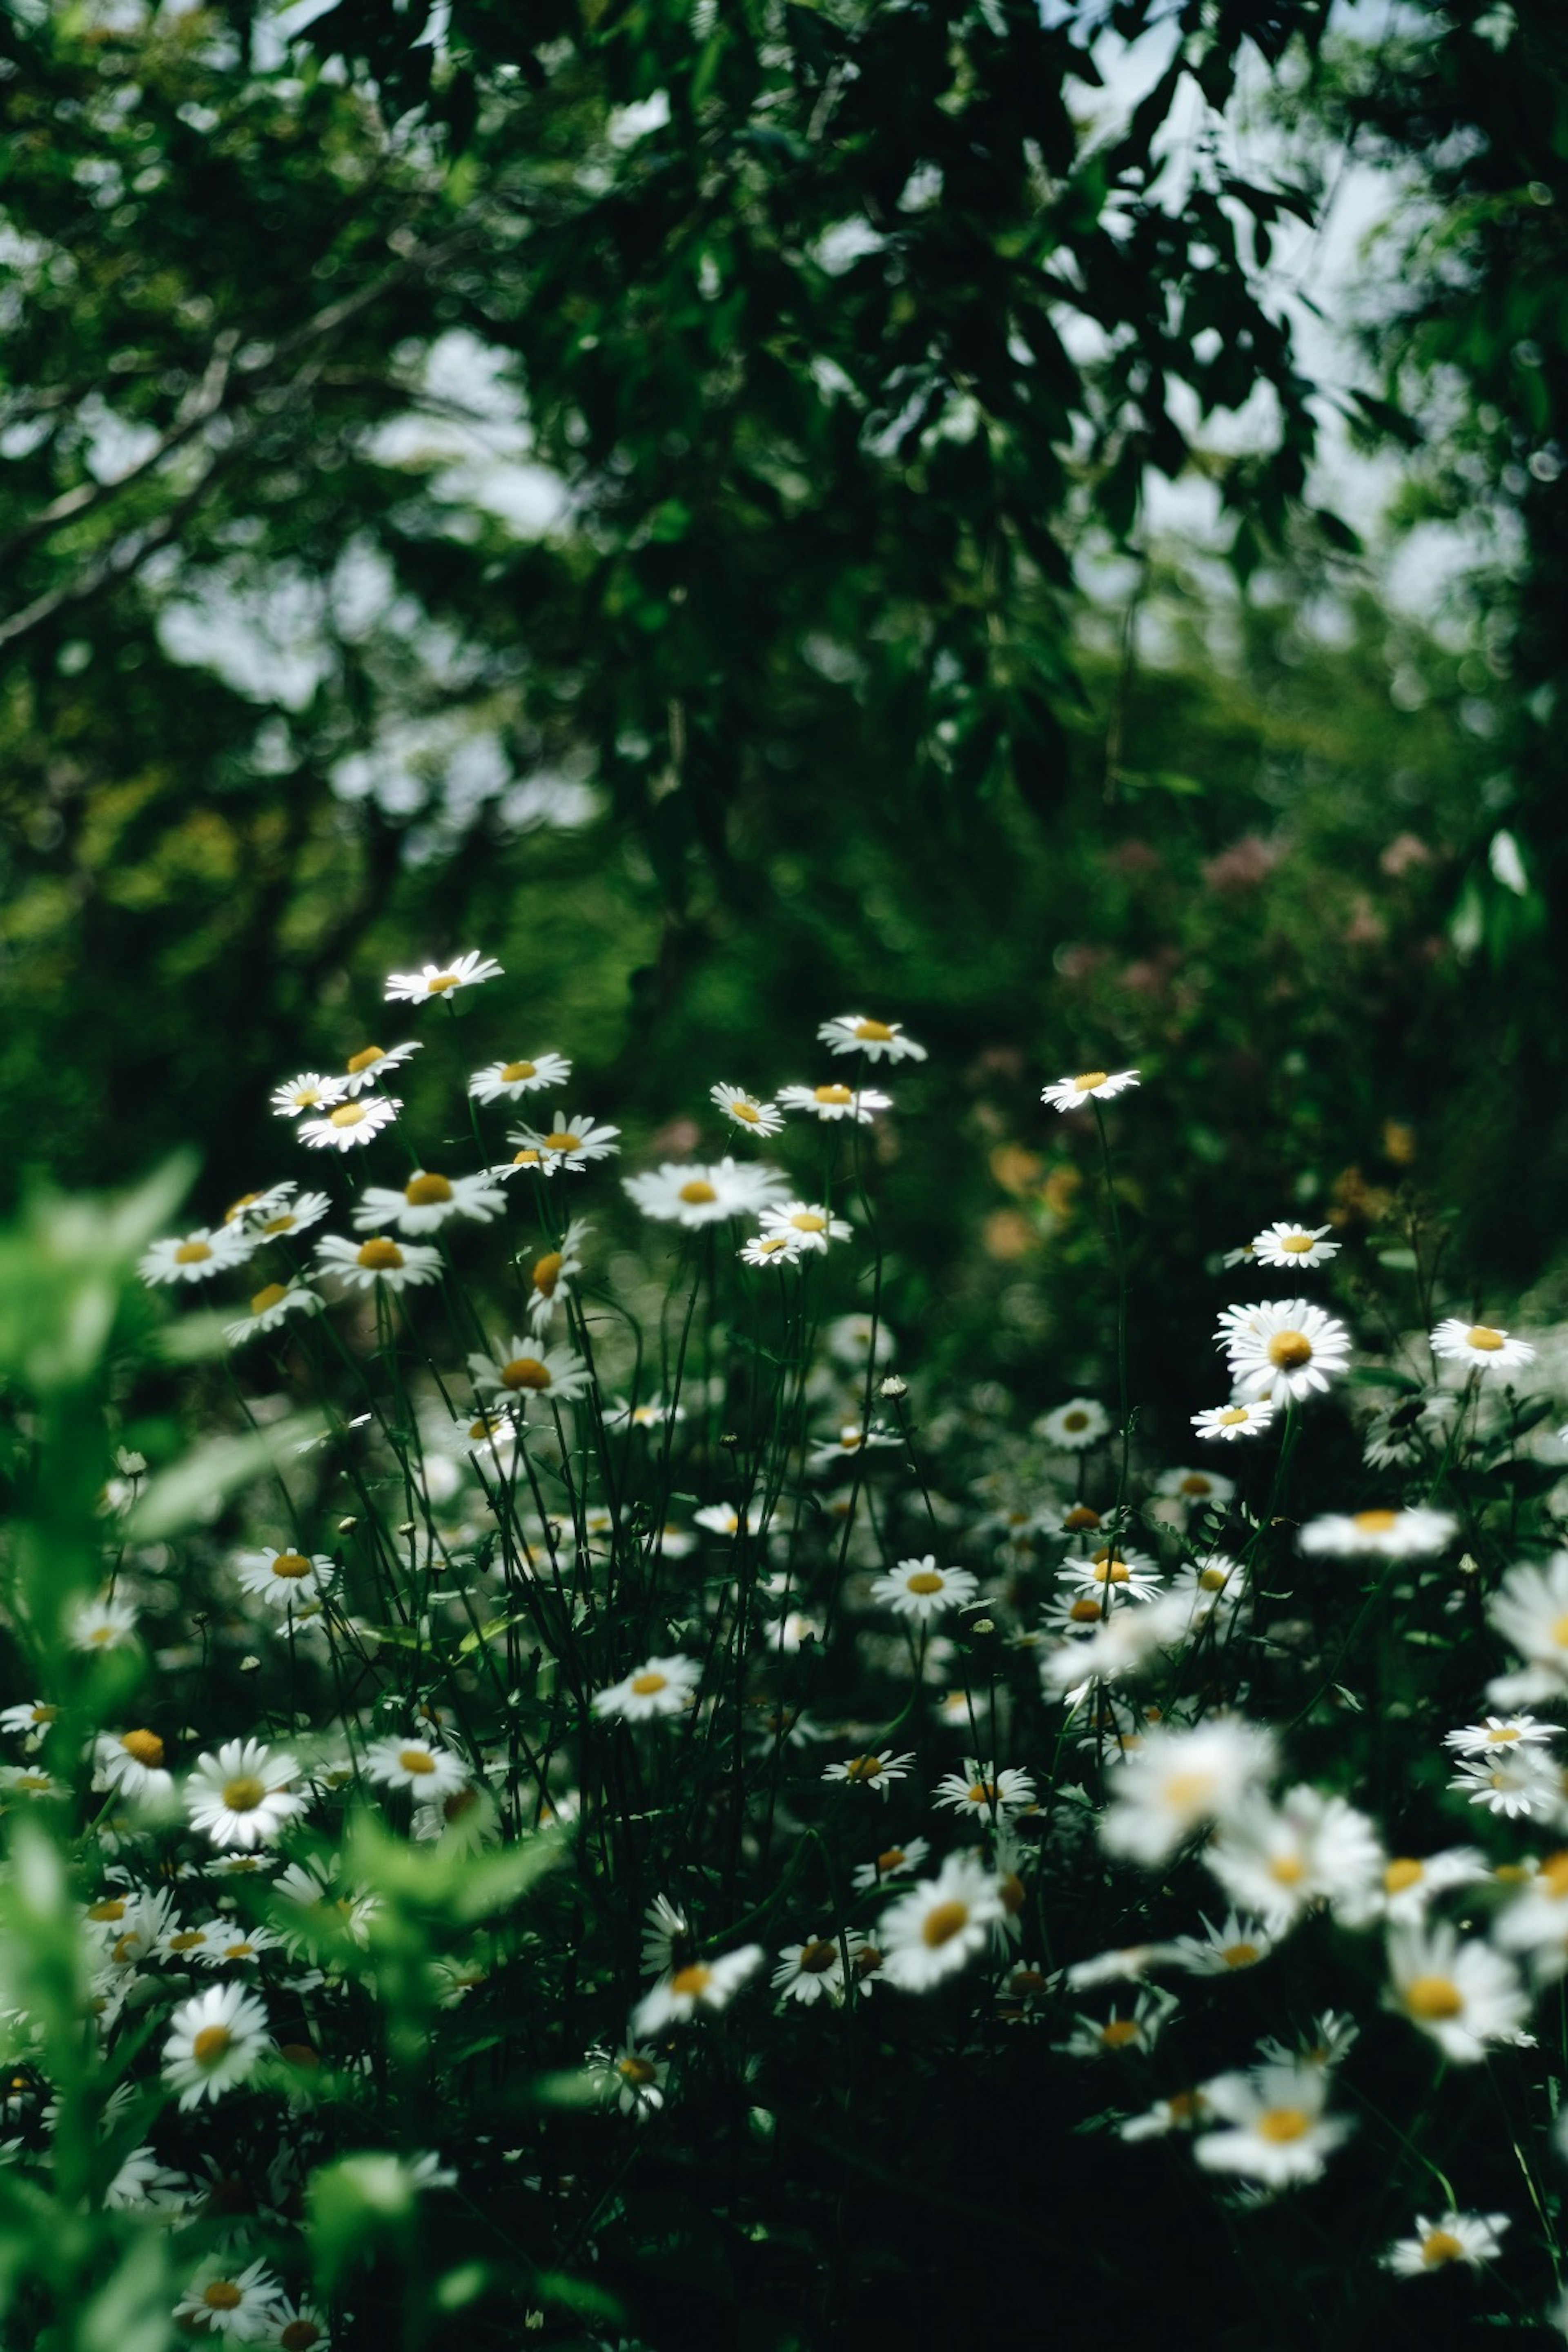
x,y
440,980
1089,1085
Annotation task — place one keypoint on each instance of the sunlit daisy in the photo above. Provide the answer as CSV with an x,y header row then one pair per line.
x,y
526,1368
919,1589
701,1985
440,979
216,2041
1470,2239
568,1143
1213,1587
755,1118
350,1124
311,1091
939,1925
1089,1085
426,1203
835,1101
1502,1731
271,1308
132,1762
1072,1428
1279,2132
1287,1348
509,1081
1232,1421
361,1265
809,1222
1285,1245
983,1791
1128,1575
692,1195
853,1032
284,1580
1463,1994
659,1687
372,1064
1477,1344
244,1795
425,1770
877,1770
224,2301
1415,1534
197,1256
771,1249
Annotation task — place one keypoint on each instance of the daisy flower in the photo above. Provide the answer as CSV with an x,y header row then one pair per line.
x,y
1415,1534
1289,1349
440,979
1233,1421
1175,1782
103,1625
288,1210
509,1081
807,1222
284,1579
981,1790
690,1195
725,1519
850,1441
853,1032
1468,2237
216,2041
1072,1428
569,1143
523,1369
1279,2132
700,1985
667,1937
1519,1783
426,1203
877,1771
1463,1994
1124,1643
226,1944
1196,1487
661,1687
243,1796
270,1308
372,1064
1500,1731
811,1971
360,1266
142,2185
1089,1085
427,1771
1409,1884
835,1101
918,1588
1279,1860
771,1249
1215,1587
1529,1611
894,1862
1285,1245
300,2328
1132,1573
32,1715
221,2300
1536,1921
350,1124
939,1925
311,1091
552,1274
1240,1942
197,1257
1094,2037
634,2077
132,1762
756,1117
1478,1344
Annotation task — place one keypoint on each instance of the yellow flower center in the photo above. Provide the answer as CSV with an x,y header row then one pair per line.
x,y
380,1257
237,1208
982,1792
691,1980
299,2335
696,1192
243,1795
1560,1632
874,1033
187,1939
1481,1337
1440,2246
443,980
525,1372
1501,1733
192,1254
1375,1522
1289,1349
366,1059
1196,1484
808,1222
894,1859
943,1921
645,1684
348,1114
283,1224
1111,1571
924,1580
240,1951
268,1297
1075,1421
1086,1080
771,1245
863,1768
1240,1956
1119,2033
1287,1870
1010,1889
1212,1579
1085,1611
291,1566
222,2294
561,1138
836,1094
547,1272
816,1958
426,1192
513,1073
1183,1791
110,1909
1554,1874
1081,1515
637,2070
747,1110
1281,2125
208,2047
145,1747
417,1761
1434,1999
526,1158
1233,1416
1297,1243
1402,1872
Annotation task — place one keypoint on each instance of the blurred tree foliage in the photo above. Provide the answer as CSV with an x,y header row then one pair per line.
x,y
833,338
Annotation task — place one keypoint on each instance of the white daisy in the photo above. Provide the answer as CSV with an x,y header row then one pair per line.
x,y
811,1971
1211,1588
1409,1884
284,1580
552,1274
809,1222
226,1944
1096,2037
1287,1348
1536,1921
918,1588
142,2185
197,1256
244,1794
270,1308
440,979
1500,1731
1415,1534
893,1861
692,1195
704,1985
311,1091
525,1368
835,1101
215,2041
1287,1245
982,1789
1479,1345
667,1937
1279,1860
634,2077
1132,1574
362,1266
771,1249
1089,1085
569,1144
1279,2132
659,1687
372,1064
850,1441
1197,1489
221,2300
1529,1609
1073,1427
103,1625
853,1032
294,1212
132,1762
1519,1784
725,1519
1463,1994
426,1203
939,1925
1124,1643
1240,1942
1175,1782
1468,2237
33,1716
877,1770
1233,1421
426,1771
756,1117
509,1081
350,1124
